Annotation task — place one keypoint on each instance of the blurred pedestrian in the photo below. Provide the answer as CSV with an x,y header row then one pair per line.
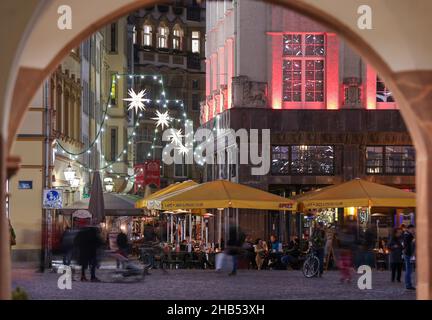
x,y
88,242
123,247
408,251
396,248
234,246
67,245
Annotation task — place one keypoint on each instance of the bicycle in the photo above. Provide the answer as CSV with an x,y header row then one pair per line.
x,y
311,264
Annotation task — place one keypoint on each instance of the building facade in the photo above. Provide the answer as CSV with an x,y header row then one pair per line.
x,y
331,118
169,42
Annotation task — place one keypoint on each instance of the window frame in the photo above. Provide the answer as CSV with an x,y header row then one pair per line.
x,y
147,35
384,161
162,37
303,58
196,40
290,170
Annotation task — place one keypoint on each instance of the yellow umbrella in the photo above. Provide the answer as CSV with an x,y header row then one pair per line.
x,y
142,203
221,194
357,193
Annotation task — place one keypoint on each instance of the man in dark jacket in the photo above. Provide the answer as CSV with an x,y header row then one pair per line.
x,y
408,251
234,246
88,241
395,247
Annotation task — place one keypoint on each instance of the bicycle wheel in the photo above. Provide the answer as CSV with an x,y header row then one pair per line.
x,y
310,267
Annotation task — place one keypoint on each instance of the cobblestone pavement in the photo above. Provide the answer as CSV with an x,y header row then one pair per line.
x,y
209,285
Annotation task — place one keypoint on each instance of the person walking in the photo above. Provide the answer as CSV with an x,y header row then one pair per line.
x,y
395,247
318,242
67,244
88,242
123,247
234,245
408,251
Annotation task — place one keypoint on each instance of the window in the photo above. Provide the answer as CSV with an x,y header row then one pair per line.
x,y
147,39
177,38
394,160
113,37
134,35
195,84
383,94
302,160
180,170
163,37
113,144
92,105
280,160
303,67
314,160
374,160
196,42
85,97
195,102
113,94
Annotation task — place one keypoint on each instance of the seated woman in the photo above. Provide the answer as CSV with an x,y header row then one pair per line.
x,y
261,251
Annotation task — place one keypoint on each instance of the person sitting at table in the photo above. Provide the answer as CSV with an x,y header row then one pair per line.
x,y
184,245
274,254
260,253
291,256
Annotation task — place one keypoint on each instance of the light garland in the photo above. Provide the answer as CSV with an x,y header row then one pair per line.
x,y
137,101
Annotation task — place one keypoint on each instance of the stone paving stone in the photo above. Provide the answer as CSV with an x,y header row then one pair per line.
x,y
209,285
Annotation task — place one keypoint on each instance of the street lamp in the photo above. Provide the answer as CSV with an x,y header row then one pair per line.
x,y
69,174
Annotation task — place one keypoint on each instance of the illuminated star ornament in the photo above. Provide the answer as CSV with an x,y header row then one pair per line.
x,y
136,100
176,136
162,119
183,149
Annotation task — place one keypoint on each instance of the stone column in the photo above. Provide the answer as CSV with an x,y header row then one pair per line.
x,y
5,261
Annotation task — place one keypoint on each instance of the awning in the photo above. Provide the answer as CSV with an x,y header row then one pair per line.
x,y
115,205
221,194
142,203
357,193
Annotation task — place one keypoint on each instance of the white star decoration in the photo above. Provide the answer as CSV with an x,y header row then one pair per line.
x,y
162,119
136,100
176,136
183,149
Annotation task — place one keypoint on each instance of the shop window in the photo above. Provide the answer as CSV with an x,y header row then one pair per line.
x,y
303,67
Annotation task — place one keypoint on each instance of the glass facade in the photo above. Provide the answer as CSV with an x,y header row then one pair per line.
x,y
302,160
391,160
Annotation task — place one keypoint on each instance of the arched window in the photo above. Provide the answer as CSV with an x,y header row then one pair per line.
x,y
163,32
147,35
177,42
134,35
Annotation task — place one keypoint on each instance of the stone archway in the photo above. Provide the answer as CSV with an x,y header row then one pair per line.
x,y
404,68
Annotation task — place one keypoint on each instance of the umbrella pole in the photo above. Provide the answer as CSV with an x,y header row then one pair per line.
x,y
172,229
220,228
190,228
167,225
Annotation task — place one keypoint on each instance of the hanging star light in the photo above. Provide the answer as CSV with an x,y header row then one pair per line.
x,y
136,100
183,150
162,119
176,136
